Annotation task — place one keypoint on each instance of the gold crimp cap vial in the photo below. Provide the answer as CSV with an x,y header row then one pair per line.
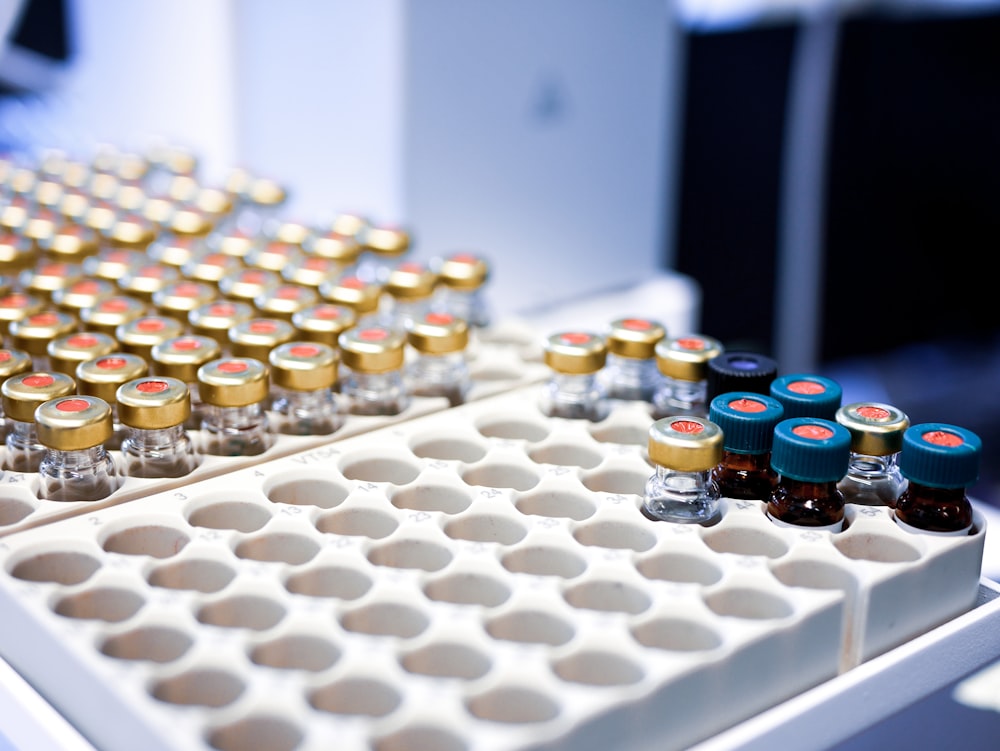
x,y
13,362
258,336
385,240
575,352
102,376
304,366
138,337
686,357
372,349
685,443
33,333
360,296
410,281
438,334
634,337
112,312
464,271
74,423
153,402
323,322
233,382
876,429
68,351
180,298
181,356
285,300
216,318
24,392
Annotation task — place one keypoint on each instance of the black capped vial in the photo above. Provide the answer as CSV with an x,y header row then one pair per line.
x,y
630,372
233,393
684,450
740,371
303,377
873,477
373,359
153,411
807,395
810,456
439,367
75,466
21,396
683,362
747,421
941,462
573,389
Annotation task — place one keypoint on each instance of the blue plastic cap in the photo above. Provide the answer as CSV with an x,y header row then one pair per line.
x,y
940,455
747,420
811,449
806,395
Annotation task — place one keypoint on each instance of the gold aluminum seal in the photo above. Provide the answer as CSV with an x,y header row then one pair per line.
x,y
180,298
13,362
216,318
111,312
385,240
372,349
74,206
311,271
411,281
153,402
438,334
17,305
575,352
181,356
22,180
304,366
360,296
292,232
46,278
233,382
635,337
99,215
23,392
685,443
335,246
174,159
686,357
33,333
14,215
139,336
258,336
236,244
350,224
73,423
876,429
464,271
214,203
210,267
190,222
132,231
112,263
103,185
48,193
323,323
159,210
40,226
83,294
248,284
285,300
146,279
265,192
273,256
173,249
72,242
102,376
68,351
16,252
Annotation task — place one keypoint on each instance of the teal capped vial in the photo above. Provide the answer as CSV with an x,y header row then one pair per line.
x,y
810,455
940,461
747,421
805,395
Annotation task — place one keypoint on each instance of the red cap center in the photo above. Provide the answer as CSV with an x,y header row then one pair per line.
x,y
303,350
152,387
687,426
806,387
186,345
326,312
115,305
43,319
747,405
873,413
72,405
111,363
637,324
691,343
149,324
942,438
82,341
232,366
574,337
373,335
262,327
813,432
439,319
40,381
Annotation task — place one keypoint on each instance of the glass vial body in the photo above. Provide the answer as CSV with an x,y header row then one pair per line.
x,y
461,291
682,361
747,421
408,290
439,368
940,461
373,383
234,421
153,410
573,389
873,477
630,372
76,466
810,456
22,394
102,376
684,451
304,375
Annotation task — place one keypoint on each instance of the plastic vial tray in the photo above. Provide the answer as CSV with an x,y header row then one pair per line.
x,y
478,577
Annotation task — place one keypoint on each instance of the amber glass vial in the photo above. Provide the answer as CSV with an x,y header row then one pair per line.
x,y
747,421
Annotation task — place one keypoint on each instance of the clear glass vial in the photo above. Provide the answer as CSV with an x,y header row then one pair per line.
x,y
180,358
807,395
630,372
383,246
76,466
747,421
21,396
439,367
234,421
12,362
102,376
573,389
682,360
941,462
408,289
810,456
873,477
156,444
463,277
361,296
373,358
304,375
684,451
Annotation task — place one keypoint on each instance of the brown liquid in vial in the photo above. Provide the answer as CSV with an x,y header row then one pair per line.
x,y
745,477
807,504
934,509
